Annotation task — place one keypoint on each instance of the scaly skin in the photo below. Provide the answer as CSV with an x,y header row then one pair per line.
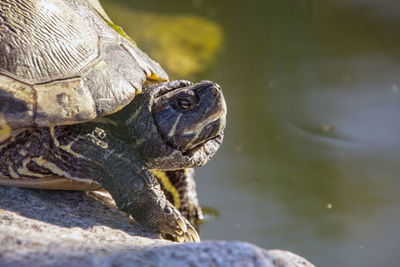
x,y
180,189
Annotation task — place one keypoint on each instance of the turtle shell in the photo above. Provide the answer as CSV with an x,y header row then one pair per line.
x,y
65,62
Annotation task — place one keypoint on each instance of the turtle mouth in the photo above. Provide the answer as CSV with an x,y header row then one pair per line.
x,y
208,138
192,158
208,148
197,155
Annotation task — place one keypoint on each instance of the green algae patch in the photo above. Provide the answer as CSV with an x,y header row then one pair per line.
x,y
183,44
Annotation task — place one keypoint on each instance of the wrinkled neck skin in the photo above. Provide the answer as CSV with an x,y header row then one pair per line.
x,y
135,125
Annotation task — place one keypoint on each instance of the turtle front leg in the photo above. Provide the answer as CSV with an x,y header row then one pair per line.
x,y
112,163
180,189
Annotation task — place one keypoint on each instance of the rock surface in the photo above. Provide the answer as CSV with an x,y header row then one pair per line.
x,y
61,228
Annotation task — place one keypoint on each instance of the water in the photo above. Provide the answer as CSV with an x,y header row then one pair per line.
x,y
310,162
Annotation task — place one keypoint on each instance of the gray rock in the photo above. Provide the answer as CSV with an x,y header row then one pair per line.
x,y
61,228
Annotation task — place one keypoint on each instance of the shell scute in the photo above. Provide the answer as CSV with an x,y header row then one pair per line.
x,y
17,103
44,40
64,102
71,66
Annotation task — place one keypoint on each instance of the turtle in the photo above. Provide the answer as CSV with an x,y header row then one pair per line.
x,y
83,108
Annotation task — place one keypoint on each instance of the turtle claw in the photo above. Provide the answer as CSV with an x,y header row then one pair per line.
x,y
187,232
166,218
182,224
183,231
180,239
193,234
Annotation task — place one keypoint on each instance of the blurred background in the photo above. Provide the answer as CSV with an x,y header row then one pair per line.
x,y
311,157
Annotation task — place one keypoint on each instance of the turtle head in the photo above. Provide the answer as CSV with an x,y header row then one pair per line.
x,y
187,123
188,117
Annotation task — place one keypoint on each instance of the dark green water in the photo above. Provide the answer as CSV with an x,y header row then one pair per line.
x,y
311,158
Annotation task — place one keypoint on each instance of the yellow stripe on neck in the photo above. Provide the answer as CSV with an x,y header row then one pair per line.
x,y
5,129
162,176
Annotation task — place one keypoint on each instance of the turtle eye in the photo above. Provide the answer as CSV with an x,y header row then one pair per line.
x,y
184,103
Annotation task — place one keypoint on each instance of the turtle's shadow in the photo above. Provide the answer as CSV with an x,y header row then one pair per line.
x,y
69,209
